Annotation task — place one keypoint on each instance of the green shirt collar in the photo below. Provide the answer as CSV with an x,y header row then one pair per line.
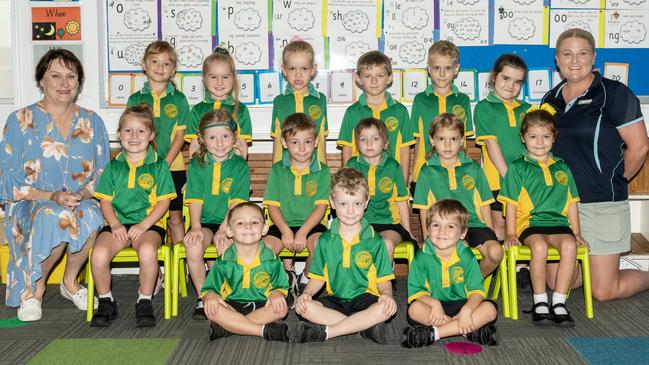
x,y
314,166
430,89
312,90
265,254
384,157
434,160
366,232
207,98
151,156
551,159
146,89
389,101
492,98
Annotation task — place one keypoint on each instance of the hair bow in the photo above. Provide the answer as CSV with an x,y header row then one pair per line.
x,y
545,106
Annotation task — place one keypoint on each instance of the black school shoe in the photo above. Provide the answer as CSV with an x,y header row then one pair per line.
x,y
106,312
562,320
217,332
541,319
199,311
144,313
308,332
485,335
276,332
417,336
375,333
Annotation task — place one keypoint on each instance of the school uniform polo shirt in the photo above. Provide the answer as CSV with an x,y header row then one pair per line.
x,y
392,113
350,269
541,193
445,280
427,106
496,120
464,182
134,190
314,104
297,193
233,279
387,188
216,185
244,130
589,140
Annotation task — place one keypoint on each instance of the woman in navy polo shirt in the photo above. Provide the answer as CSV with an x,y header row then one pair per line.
x,y
603,139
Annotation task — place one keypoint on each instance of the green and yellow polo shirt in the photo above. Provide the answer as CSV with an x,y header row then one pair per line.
x,y
313,104
496,120
541,193
134,190
427,106
464,182
216,185
445,280
170,112
297,193
387,188
393,114
232,279
350,269
208,104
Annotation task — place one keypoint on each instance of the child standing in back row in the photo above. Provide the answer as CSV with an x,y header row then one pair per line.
x,y
300,96
171,113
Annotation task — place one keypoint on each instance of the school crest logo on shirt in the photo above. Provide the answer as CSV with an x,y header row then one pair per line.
x,y
261,279
391,123
315,112
311,188
458,275
363,260
171,111
386,184
145,181
226,185
459,111
562,177
468,182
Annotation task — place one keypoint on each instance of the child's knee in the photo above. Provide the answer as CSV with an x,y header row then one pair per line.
x,y
539,249
495,252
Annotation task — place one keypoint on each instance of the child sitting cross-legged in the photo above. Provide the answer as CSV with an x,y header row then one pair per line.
x,y
352,260
244,293
445,288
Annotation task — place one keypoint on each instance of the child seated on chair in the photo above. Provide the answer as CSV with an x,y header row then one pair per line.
x,y
388,210
245,290
541,198
134,193
445,288
297,194
352,260
218,179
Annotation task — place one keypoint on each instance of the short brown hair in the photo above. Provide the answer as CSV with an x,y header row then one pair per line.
x,y
575,33
368,123
69,60
298,46
373,59
447,208
243,205
350,181
143,113
446,121
158,47
444,48
297,122
539,118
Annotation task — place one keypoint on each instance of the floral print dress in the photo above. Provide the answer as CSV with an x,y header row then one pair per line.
x,y
34,155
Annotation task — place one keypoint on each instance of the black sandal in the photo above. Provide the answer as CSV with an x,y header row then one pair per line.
x,y
540,319
562,320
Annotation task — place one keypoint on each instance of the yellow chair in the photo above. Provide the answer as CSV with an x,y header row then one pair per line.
x,y
500,282
130,255
178,281
405,251
523,253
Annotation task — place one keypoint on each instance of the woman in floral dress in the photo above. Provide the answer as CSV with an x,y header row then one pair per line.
x,y
51,156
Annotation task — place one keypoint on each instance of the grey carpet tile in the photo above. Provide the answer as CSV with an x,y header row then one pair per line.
x,y
18,351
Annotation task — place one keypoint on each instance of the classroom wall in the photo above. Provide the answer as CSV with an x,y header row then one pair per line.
x,y
27,92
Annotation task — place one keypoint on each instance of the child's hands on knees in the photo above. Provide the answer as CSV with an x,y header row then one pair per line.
x,y
511,240
276,302
136,231
211,303
299,242
119,233
437,317
287,239
302,303
221,241
194,236
465,321
389,304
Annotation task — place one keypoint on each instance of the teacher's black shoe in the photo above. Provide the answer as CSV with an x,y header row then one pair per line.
x,y
562,320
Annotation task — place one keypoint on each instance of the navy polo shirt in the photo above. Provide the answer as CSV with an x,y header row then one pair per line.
x,y
588,137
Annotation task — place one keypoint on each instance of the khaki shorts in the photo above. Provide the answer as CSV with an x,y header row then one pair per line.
x,y
606,227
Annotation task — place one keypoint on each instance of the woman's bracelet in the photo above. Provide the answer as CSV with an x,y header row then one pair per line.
x,y
54,195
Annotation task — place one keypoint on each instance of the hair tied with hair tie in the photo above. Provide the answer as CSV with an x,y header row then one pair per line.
x,y
545,106
221,49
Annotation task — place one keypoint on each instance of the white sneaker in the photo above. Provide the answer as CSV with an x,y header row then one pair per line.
x,y
30,310
159,283
80,298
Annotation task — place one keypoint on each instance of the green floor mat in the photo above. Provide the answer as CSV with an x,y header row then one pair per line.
x,y
105,351
12,322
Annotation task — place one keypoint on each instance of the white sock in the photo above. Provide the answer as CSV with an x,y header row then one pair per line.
x,y
436,333
326,332
107,295
141,296
304,279
538,298
559,298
